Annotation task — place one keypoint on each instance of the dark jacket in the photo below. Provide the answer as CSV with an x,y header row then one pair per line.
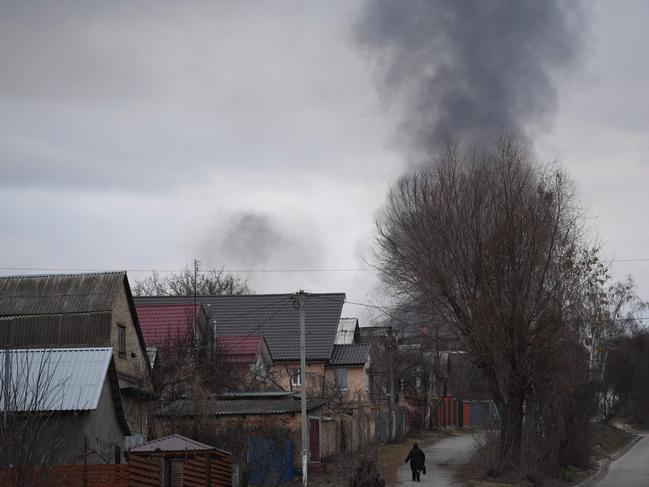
x,y
417,459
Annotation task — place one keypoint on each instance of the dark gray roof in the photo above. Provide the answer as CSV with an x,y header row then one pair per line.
x,y
83,329
239,407
58,293
275,316
355,354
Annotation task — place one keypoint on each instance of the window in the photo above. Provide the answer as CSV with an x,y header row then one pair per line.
x,y
121,339
296,378
340,378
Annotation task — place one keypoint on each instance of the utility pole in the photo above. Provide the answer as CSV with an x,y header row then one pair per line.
x,y
300,295
196,262
392,420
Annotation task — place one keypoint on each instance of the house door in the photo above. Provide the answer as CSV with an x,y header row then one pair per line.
x,y
314,439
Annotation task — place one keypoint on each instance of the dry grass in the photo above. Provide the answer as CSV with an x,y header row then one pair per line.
x,y
607,440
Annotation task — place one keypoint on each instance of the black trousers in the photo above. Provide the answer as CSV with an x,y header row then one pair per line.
x,y
415,475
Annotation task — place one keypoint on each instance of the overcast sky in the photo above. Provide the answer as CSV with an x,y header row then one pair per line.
x,y
141,135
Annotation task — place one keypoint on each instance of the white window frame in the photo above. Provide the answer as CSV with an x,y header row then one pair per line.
x,y
296,377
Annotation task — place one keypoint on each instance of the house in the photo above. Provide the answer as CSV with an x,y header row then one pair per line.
x,y
335,373
248,356
276,318
66,403
238,417
82,310
168,328
179,461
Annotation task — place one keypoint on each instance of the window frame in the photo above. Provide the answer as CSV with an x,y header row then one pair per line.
x,y
337,370
121,340
296,373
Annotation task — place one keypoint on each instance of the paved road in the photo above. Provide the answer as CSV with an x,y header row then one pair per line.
x,y
631,469
441,458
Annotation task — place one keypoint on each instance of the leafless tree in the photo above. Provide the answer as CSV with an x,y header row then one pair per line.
x,y
32,428
211,283
493,243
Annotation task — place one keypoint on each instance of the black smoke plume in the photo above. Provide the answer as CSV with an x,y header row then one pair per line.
x,y
470,70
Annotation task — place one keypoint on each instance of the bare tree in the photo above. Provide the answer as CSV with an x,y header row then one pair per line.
x,y
493,243
211,283
32,427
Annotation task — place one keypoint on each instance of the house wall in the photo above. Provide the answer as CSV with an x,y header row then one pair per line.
x,y
315,372
100,427
132,367
357,382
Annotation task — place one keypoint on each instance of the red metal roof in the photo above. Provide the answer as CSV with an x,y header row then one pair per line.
x,y
164,323
239,349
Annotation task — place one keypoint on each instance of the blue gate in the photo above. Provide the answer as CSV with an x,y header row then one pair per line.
x,y
269,460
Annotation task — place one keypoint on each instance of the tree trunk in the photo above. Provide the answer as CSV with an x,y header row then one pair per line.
x,y
511,434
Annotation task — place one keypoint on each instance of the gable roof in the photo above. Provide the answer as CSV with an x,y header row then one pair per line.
x,y
355,354
62,309
173,442
240,349
59,293
162,324
275,317
348,331
63,379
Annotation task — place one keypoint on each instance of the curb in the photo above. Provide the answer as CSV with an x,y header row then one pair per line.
x,y
605,463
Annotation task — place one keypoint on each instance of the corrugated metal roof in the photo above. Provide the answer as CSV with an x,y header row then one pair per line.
x,y
355,354
275,317
171,443
348,331
61,330
58,293
252,394
162,324
69,379
240,407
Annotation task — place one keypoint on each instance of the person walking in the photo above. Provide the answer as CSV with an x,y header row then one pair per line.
x,y
417,460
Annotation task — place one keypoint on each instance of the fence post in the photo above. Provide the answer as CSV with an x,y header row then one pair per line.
x,y
85,461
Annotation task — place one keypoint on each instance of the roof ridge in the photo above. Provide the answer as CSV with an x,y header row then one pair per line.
x,y
238,295
66,274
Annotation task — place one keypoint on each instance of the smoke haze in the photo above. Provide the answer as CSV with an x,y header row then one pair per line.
x,y
471,70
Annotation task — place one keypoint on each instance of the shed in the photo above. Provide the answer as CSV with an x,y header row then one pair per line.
x,y
179,461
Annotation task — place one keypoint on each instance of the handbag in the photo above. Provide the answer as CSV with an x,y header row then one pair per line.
x,y
423,470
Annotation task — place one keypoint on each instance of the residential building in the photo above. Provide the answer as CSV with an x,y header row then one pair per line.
x,y
67,403
82,310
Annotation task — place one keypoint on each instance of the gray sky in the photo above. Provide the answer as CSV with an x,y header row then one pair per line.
x,y
140,135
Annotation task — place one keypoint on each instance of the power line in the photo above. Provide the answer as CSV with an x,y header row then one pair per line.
x,y
224,269
242,270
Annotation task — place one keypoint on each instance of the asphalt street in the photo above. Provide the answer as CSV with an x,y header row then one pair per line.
x,y
441,458
631,469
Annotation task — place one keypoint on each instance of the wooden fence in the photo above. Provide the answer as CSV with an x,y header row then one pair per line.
x,y
70,476
141,471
